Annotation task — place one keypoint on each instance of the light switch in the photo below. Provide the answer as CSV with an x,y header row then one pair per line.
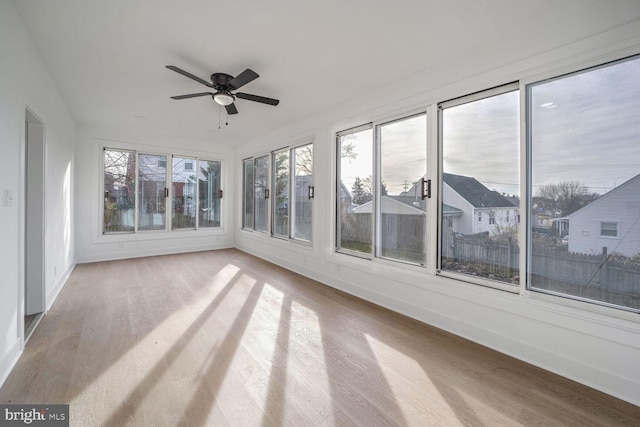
x,y
7,198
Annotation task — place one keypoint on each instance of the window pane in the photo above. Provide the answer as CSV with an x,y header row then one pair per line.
x,y
402,219
355,191
585,185
247,217
281,182
302,208
209,192
261,205
119,191
609,229
152,179
183,186
480,188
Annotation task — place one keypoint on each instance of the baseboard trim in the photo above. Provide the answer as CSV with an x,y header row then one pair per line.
x,y
9,360
53,294
112,256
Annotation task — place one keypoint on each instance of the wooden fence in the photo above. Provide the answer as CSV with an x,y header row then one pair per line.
x,y
598,277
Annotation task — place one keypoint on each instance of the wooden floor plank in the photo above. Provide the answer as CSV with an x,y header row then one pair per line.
x,y
223,338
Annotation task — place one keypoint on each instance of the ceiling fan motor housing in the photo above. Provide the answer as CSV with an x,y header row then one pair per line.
x,y
221,81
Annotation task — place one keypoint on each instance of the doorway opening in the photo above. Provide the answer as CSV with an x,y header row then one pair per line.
x,y
34,223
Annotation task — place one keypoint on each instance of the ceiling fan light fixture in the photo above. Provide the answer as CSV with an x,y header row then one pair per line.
x,y
224,99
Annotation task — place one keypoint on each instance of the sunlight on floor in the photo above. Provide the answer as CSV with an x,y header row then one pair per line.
x,y
407,393
148,354
319,362
255,373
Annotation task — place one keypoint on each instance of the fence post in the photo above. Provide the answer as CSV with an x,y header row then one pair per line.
x,y
604,270
509,256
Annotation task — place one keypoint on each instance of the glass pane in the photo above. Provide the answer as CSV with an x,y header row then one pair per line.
x,y
355,191
403,162
261,205
152,179
480,188
585,185
183,186
248,187
281,205
209,193
119,191
302,209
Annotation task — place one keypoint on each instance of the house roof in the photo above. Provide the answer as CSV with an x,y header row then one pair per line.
x,y
450,210
606,196
400,205
475,193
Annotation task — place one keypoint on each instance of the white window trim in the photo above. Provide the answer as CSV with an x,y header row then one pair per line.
x,y
617,224
98,237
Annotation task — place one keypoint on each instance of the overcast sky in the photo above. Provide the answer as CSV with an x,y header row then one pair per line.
x,y
585,127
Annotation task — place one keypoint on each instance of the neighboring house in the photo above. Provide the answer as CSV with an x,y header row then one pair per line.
x,y
481,210
611,221
469,207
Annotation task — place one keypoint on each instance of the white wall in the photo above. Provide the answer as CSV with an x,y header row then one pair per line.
x,y
92,245
25,82
596,346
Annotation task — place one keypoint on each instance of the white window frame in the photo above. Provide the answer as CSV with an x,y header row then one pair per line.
x,y
123,236
375,127
476,96
525,263
609,236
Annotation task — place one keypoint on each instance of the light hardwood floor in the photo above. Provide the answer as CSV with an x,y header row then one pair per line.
x,y
224,338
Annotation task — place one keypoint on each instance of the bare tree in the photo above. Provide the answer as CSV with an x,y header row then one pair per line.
x,y
567,196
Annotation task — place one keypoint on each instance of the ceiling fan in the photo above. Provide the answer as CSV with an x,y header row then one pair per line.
x,y
224,84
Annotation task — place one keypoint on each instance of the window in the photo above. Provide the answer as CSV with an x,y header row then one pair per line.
x,y
401,212
152,191
584,151
256,194
136,190
291,204
248,193
209,193
380,210
355,190
303,193
119,191
609,229
183,200
281,180
261,194
480,142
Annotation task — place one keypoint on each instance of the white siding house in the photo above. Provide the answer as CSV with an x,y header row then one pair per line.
x,y
611,221
482,210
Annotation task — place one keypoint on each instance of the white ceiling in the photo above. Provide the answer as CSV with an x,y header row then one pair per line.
x,y
108,56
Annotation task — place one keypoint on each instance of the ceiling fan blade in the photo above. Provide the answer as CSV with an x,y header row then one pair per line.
x,y
243,78
187,74
231,109
257,98
191,95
